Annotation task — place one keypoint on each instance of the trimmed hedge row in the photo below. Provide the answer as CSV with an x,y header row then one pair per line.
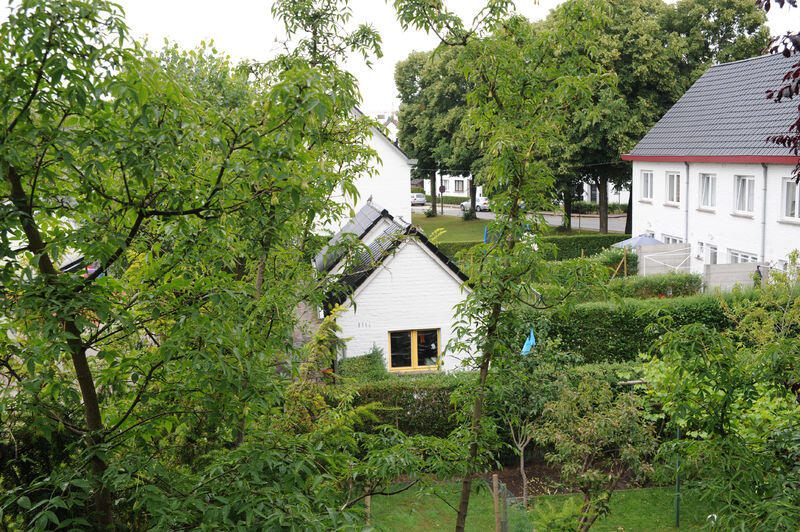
x,y
618,331
421,404
585,207
661,285
364,368
566,246
448,200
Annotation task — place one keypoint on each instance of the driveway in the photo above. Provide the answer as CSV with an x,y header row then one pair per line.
x,y
616,222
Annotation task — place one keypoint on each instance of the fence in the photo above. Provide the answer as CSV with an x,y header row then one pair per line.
x,y
664,258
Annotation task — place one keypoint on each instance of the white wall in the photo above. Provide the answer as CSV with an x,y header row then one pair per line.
x,y
449,182
720,226
614,195
410,291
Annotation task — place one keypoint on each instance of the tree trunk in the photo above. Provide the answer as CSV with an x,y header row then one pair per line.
x,y
567,220
83,373
433,193
472,191
524,477
602,200
629,216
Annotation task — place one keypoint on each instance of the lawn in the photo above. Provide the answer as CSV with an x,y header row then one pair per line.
x,y
414,511
457,230
644,510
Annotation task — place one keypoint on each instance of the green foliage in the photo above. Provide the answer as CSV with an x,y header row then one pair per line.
x,y
613,258
661,285
451,249
619,331
734,395
448,200
430,213
469,215
572,246
586,207
419,190
588,418
370,367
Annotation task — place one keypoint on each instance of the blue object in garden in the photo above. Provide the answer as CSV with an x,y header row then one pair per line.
x,y
529,343
485,234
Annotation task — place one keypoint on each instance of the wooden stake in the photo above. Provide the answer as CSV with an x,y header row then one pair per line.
x,y
496,494
367,502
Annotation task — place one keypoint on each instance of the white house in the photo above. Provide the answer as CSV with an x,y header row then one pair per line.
x,y
591,194
457,185
399,293
704,174
391,184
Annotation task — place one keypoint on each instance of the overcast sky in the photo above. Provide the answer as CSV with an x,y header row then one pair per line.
x,y
245,29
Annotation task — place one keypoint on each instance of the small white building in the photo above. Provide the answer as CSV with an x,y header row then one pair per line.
x,y
399,293
591,194
704,175
390,185
457,185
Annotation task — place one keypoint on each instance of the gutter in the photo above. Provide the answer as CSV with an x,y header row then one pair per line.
x,y
686,206
762,258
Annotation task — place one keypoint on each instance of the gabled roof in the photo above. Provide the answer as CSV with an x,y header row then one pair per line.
x,y
360,267
385,137
725,116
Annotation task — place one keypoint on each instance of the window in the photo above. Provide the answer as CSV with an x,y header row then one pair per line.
x,y
707,253
414,350
593,193
446,184
651,234
668,239
741,256
459,185
708,190
791,199
673,187
745,186
647,185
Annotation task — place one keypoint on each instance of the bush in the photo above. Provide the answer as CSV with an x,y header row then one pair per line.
x,y
415,190
429,213
613,257
364,368
662,285
586,207
452,248
449,200
618,331
469,214
571,246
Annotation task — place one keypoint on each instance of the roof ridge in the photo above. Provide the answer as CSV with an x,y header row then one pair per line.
x,y
746,59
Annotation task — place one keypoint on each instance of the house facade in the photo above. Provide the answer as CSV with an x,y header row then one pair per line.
x,y
705,176
400,294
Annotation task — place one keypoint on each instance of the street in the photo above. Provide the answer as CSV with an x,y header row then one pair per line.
x,y
616,222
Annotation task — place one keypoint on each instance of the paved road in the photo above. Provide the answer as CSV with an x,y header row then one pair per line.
x,y
616,223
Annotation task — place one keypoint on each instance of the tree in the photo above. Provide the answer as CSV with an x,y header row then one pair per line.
x,y
657,51
160,379
433,91
522,93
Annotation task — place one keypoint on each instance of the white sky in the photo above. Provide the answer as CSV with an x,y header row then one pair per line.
x,y
245,29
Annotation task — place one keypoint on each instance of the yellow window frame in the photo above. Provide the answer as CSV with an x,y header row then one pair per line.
x,y
414,354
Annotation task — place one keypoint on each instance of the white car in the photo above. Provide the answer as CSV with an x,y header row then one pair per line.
x,y
481,204
417,198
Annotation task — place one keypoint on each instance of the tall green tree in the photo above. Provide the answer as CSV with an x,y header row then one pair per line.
x,y
433,92
657,50
158,388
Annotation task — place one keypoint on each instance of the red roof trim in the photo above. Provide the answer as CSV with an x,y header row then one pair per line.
x,y
777,159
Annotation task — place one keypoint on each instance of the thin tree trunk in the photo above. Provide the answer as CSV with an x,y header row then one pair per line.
x,y
524,477
83,373
433,193
473,190
629,216
602,200
567,221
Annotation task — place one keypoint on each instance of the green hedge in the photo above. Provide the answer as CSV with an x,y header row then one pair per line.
x,y
364,368
448,200
571,246
618,331
421,404
452,248
585,207
662,285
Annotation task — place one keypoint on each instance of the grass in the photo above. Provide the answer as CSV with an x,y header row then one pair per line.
x,y
457,230
422,511
643,510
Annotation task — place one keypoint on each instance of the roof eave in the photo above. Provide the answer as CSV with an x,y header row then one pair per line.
x,y
773,159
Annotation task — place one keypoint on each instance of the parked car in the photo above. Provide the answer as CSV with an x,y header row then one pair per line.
x,y
481,204
417,198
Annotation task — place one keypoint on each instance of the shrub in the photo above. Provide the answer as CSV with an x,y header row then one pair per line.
x,y
662,285
469,214
613,257
364,368
585,207
618,331
452,248
415,190
449,200
571,246
429,213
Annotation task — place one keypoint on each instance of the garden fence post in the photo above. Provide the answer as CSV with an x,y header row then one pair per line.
x,y
504,520
369,508
496,495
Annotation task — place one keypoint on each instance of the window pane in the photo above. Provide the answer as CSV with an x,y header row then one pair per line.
x,y
401,349
791,199
427,347
712,255
739,194
713,185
